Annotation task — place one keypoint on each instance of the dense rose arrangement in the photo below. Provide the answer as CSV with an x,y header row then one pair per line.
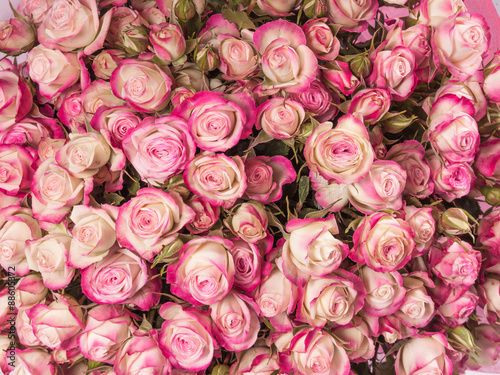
x,y
249,187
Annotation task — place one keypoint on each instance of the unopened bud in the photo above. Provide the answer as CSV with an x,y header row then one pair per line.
x,y
454,221
314,8
395,122
220,370
207,59
491,195
361,66
185,10
305,131
461,338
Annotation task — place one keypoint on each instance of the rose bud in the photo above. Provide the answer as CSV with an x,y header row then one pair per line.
x,y
30,291
423,226
107,327
280,118
105,62
180,94
371,103
16,36
454,221
276,8
16,169
128,31
338,76
204,273
207,59
257,359
186,337
121,277
319,101
141,354
356,341
238,59
295,351
249,265
34,361
153,15
426,352
314,8
168,41
382,242
418,307
46,321
384,291
249,222
346,164
457,308
312,250
151,220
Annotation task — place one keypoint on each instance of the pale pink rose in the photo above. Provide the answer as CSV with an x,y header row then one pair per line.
x,y
266,177
320,39
487,339
16,169
49,256
287,63
343,154
30,291
382,242
356,341
34,9
488,233
381,188
98,94
151,220
205,217
384,291
105,62
280,118
487,161
216,121
410,155
167,41
311,350
121,277
424,353
352,15
204,273
457,308
215,26
491,87
159,148
107,327
117,121
217,178
16,36
257,359
490,298
186,337
238,59
418,308
394,70
55,191
153,15
335,297
461,42
34,361
330,195
190,75
24,329
390,328
93,234
70,109
371,103
276,8
249,265
417,39
435,12
312,249
338,76
249,222
143,84
235,322
53,70
456,263
128,31
56,324
30,131
451,181
15,99
69,26
423,226
16,227
48,147
319,101
141,354
180,94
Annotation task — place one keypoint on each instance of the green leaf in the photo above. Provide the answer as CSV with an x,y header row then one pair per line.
x,y
240,18
133,187
113,199
303,188
93,364
169,253
268,324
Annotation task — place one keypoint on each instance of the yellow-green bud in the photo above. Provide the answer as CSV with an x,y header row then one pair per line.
x,y
454,221
360,66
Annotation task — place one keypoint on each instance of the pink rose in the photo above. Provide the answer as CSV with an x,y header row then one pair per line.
x,y
238,59
34,9
371,103
287,63
338,76
48,147
204,273
320,39
417,39
53,70
457,308
180,94
382,242
49,256
384,291
98,94
121,277
107,327
343,154
490,299
356,341
16,169
426,352
151,220
266,177
394,70
319,101
167,40
487,339
105,62
381,188
205,217
488,233
217,178
312,250
312,350
423,226
159,148
351,14
490,85
16,36
141,353
336,298
280,118
46,321
277,8
418,307
487,161
30,291
117,121
144,85
152,15
186,337
70,109
249,265
235,322
435,12
461,42
34,361
249,222
257,359
410,155
456,263
30,131
15,99
16,227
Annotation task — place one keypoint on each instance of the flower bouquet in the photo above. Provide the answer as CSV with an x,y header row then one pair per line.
x,y
248,187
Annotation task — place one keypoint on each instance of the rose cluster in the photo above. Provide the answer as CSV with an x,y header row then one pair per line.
x,y
255,187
